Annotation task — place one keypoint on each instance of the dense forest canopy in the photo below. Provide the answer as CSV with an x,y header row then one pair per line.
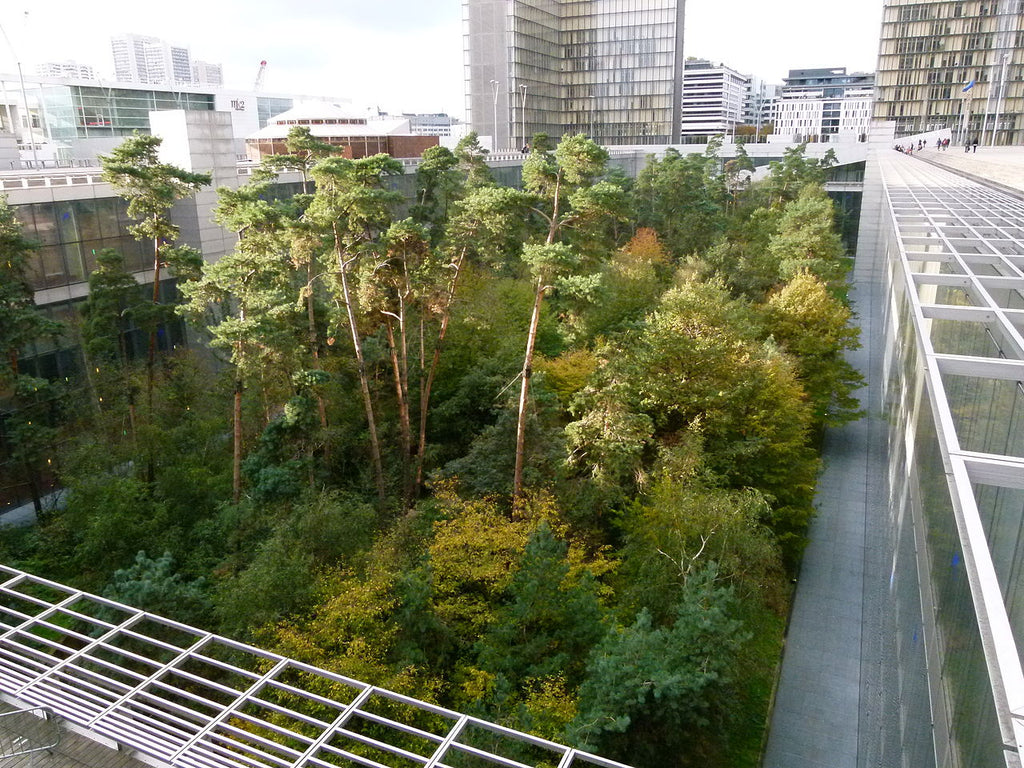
x,y
543,455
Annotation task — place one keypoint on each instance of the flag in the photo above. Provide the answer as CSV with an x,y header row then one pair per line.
x,y
968,87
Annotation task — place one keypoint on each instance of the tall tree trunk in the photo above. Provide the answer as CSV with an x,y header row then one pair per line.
x,y
33,486
402,394
236,460
364,384
524,391
151,361
432,372
531,340
314,346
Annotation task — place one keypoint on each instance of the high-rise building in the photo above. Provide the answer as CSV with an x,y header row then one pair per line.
x,y
713,99
205,73
825,104
141,59
68,69
953,64
612,71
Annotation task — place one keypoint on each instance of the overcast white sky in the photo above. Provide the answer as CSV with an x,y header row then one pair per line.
x,y
405,55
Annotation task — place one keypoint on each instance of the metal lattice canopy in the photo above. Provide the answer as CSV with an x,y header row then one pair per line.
x,y
180,696
957,251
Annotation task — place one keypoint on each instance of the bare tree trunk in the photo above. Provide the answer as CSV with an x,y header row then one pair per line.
x,y
151,361
236,461
524,391
531,340
314,345
364,384
402,393
435,361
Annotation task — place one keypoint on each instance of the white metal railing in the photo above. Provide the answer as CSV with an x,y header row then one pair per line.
x,y
178,695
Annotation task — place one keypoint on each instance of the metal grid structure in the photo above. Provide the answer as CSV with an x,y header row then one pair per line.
x,y
958,254
183,697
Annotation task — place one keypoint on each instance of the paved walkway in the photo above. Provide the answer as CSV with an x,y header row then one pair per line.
x,y
1003,166
827,709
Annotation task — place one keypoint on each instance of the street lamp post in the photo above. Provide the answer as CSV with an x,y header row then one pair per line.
x,y
522,108
494,138
24,98
1001,100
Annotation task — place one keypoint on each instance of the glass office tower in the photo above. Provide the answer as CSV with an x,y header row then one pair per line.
x,y
611,69
954,64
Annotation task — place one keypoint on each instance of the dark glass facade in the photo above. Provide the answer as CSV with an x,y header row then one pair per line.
x,y
71,233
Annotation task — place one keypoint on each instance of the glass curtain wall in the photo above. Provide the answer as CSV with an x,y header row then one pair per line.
x,y
623,74
955,399
610,69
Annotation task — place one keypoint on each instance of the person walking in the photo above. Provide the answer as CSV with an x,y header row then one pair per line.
x,y
975,143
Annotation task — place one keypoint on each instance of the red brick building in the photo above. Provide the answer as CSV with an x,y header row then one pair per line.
x,y
357,135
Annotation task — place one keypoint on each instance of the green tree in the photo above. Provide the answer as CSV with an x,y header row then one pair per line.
x,y
487,227
107,311
250,292
788,177
396,287
439,183
20,323
151,187
652,690
471,156
304,151
808,321
107,315
681,528
697,371
353,208
566,196
154,586
680,197
551,620
32,403
807,239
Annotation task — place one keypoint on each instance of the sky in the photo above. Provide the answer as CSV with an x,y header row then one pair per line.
x,y
404,55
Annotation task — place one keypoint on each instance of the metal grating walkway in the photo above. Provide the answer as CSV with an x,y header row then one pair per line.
x,y
179,696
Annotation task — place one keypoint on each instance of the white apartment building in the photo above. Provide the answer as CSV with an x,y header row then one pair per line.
x,y
68,68
825,105
714,98
141,59
205,73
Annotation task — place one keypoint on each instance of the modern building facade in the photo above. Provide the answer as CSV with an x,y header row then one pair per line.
x,y
610,70
714,98
953,64
825,105
73,120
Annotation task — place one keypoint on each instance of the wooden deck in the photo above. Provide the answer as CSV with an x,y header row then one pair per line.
x,y
72,750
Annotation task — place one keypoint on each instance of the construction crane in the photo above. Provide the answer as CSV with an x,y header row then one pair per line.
x,y
259,76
